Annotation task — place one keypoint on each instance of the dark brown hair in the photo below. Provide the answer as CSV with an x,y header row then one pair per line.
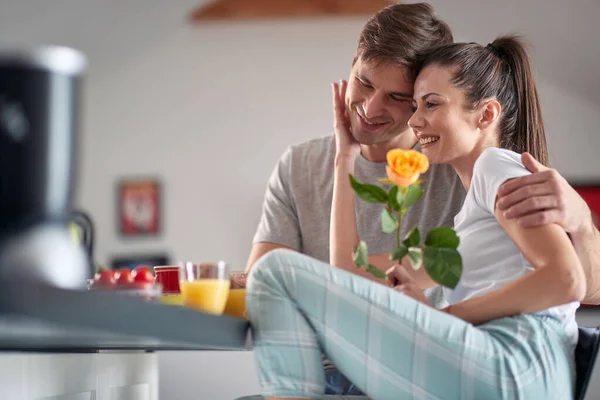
x,y
399,32
500,70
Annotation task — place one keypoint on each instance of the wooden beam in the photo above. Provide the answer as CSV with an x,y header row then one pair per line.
x,y
227,10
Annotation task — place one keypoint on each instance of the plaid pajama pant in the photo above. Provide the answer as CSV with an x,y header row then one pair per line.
x,y
389,345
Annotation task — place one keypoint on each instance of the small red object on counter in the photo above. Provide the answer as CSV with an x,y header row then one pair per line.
x,y
168,277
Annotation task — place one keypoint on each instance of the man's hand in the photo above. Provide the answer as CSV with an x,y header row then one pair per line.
x,y
542,198
401,281
545,197
237,280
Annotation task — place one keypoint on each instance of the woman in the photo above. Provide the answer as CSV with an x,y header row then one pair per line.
x,y
510,329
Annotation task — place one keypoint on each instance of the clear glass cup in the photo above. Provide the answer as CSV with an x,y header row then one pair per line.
x,y
204,286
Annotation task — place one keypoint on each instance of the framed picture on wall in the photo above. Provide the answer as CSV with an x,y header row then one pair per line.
x,y
139,207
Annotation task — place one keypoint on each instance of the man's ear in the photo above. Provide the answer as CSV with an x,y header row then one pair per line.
x,y
489,113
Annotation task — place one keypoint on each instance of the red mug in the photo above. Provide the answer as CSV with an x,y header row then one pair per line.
x,y
168,277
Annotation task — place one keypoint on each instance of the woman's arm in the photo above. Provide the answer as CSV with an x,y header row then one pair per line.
x,y
343,232
546,197
558,277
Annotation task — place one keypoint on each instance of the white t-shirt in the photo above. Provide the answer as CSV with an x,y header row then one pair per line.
x,y
490,257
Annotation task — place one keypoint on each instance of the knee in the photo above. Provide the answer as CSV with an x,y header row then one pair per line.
x,y
266,268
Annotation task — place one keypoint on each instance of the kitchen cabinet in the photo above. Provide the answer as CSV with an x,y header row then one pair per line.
x,y
58,344
98,376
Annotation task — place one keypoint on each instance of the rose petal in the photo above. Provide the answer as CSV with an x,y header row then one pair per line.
x,y
400,180
407,165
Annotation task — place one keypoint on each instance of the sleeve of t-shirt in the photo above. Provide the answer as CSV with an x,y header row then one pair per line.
x,y
494,167
279,219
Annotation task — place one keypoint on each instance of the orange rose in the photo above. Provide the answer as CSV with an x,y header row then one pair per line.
x,y
405,166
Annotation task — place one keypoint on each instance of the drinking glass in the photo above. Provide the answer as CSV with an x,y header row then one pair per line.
x,y
204,286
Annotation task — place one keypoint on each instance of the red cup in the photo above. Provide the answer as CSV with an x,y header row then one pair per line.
x,y
168,277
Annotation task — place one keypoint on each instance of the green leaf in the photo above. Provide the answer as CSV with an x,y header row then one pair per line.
x,y
393,199
415,255
413,238
369,193
413,194
388,221
376,272
443,265
442,237
360,257
399,253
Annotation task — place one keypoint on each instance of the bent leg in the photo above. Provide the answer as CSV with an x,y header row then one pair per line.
x,y
389,345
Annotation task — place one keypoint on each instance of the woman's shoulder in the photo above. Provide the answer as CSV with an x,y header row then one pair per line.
x,y
494,167
497,160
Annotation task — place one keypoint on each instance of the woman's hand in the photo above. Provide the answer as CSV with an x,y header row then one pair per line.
x,y
346,145
401,281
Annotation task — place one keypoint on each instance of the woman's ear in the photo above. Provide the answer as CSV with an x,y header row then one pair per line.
x,y
490,112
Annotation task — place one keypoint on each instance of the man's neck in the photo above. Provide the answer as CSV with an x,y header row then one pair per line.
x,y
378,152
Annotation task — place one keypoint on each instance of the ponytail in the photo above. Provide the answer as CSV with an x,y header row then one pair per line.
x,y
500,70
529,134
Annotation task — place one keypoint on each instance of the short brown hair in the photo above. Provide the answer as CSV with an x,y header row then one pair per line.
x,y
399,32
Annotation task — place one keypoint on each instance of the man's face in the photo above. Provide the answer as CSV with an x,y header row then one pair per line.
x,y
378,101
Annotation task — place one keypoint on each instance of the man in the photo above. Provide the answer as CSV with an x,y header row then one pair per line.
x,y
297,204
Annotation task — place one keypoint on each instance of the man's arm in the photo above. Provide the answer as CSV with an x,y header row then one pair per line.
x,y
587,246
238,280
545,197
259,250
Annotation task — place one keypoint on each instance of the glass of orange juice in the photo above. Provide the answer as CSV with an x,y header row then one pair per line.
x,y
204,286
236,303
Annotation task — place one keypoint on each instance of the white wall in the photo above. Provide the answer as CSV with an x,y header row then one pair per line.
x,y
209,110
573,130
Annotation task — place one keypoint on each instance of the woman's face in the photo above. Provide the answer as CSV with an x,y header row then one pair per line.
x,y
446,128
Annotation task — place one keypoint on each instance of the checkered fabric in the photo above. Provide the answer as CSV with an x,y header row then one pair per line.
x,y
389,345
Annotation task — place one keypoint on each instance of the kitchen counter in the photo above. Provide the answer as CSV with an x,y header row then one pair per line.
x,y
91,345
37,316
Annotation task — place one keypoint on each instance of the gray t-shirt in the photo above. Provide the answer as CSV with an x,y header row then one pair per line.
x,y
297,204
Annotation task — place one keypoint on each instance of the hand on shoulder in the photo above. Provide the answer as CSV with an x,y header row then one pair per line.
x,y
543,197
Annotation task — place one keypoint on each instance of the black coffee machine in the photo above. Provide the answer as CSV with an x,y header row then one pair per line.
x,y
39,127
